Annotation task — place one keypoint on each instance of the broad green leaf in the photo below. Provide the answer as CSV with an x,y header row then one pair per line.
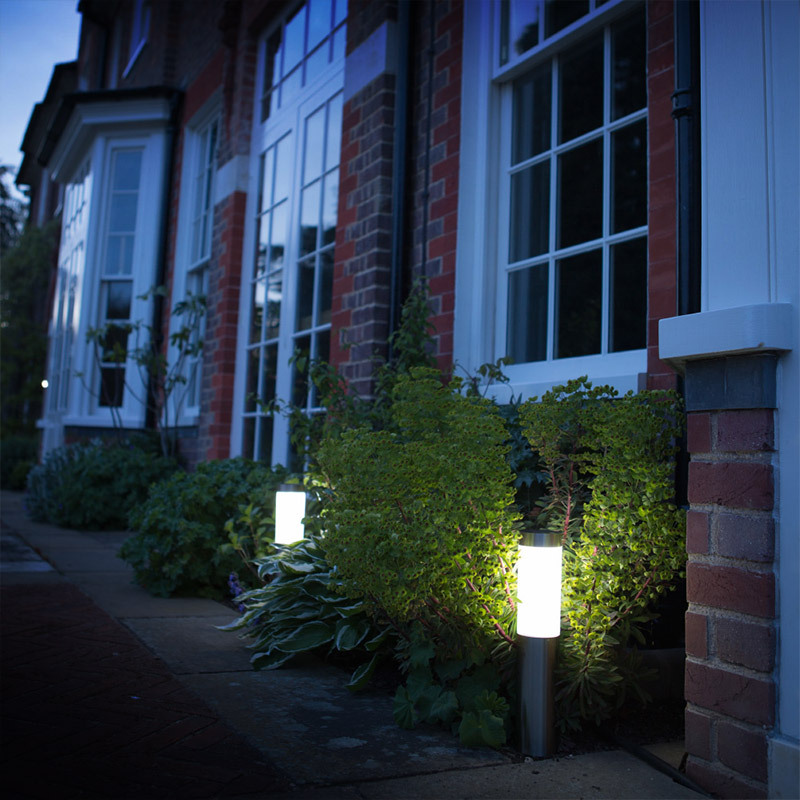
x,y
350,634
403,711
306,637
271,660
481,728
361,675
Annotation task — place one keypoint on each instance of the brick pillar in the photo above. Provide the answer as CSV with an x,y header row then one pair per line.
x,y
730,622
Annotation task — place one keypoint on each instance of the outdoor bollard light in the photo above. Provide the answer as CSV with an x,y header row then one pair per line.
x,y
538,627
290,508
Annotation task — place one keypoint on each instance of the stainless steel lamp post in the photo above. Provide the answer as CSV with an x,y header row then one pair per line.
x,y
538,628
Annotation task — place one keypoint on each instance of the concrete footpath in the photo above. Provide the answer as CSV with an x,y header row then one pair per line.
x,y
108,692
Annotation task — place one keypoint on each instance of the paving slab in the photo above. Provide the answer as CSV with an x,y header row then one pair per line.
x,y
305,720
191,645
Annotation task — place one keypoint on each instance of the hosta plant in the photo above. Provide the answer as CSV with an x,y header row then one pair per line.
x,y
300,609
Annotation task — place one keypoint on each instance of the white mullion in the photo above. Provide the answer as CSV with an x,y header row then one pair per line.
x,y
605,286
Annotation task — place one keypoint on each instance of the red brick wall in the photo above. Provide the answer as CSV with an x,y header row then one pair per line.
x,y
730,628
433,246
661,284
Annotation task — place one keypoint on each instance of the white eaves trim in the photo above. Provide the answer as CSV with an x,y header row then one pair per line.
x,y
89,119
730,331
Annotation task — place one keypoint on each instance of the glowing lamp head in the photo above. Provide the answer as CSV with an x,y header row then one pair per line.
x,y
290,508
539,585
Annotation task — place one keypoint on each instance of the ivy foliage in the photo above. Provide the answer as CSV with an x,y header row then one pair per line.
x,y
610,465
299,609
419,521
182,544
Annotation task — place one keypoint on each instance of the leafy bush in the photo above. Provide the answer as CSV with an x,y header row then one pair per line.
x,y
182,545
298,610
94,485
610,466
420,526
18,456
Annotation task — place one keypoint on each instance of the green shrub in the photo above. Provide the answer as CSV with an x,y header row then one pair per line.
x,y
94,485
420,525
299,610
18,456
181,545
610,460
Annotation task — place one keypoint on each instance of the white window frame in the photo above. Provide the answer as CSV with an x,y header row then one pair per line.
x,y
191,269
287,121
480,312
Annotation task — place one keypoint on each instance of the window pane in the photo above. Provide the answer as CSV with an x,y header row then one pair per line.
x,y
341,11
283,170
309,219
263,244
330,207
580,194
532,103
257,311
581,90
112,385
519,28
325,287
560,13
251,390
274,298
278,248
248,437
272,73
315,133
629,173
127,168
122,215
265,182
265,439
628,295
578,304
292,84
294,39
339,43
113,265
334,143
628,66
526,332
114,345
118,305
317,62
530,212
300,380
305,294
319,21
270,367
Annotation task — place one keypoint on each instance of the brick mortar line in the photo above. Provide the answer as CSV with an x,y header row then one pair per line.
x,y
714,662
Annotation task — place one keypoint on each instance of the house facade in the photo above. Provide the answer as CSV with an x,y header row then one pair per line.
x,y
598,187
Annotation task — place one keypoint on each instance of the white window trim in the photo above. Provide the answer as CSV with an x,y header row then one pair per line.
x,y
476,338
265,134
182,414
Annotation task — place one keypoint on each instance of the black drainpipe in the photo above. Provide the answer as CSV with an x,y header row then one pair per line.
x,y
399,166
163,251
686,113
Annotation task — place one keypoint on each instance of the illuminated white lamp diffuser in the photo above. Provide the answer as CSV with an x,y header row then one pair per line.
x,y
539,585
290,508
538,628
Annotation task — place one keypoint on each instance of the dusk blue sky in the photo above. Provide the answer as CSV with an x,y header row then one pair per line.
x,y
34,35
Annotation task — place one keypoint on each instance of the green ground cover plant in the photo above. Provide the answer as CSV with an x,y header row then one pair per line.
x,y
94,485
298,609
183,544
609,462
